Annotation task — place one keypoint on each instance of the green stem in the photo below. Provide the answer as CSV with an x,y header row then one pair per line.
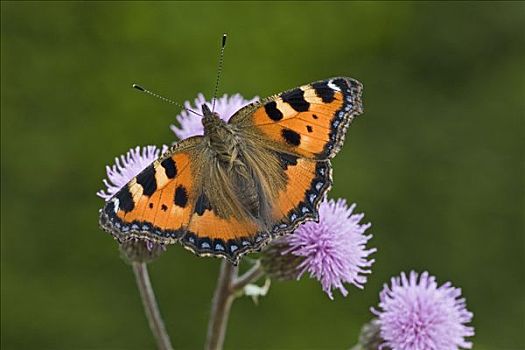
x,y
150,306
248,277
228,286
220,307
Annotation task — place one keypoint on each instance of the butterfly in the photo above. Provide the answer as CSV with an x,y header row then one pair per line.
x,y
245,181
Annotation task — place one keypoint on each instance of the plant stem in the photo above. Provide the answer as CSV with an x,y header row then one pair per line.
x,y
228,286
248,277
150,306
220,308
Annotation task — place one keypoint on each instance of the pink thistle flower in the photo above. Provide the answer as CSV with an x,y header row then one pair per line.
x,y
333,250
191,125
419,315
128,166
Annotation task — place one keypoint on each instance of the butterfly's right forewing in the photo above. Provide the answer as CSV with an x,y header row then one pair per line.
x,y
309,121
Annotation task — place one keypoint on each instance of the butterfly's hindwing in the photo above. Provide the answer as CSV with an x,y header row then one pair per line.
x,y
309,181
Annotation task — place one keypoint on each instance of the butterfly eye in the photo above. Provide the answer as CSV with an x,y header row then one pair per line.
x,y
206,110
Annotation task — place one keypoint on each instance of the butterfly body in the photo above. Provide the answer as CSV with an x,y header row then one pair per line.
x,y
244,181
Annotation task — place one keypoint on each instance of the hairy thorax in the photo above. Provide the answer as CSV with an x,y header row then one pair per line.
x,y
222,140
236,190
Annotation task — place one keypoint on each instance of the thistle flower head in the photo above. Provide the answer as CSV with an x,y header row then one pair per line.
x,y
140,250
278,265
191,125
370,337
416,314
126,167
333,250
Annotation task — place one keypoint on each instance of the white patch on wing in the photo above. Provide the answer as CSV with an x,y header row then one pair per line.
x,y
333,86
116,204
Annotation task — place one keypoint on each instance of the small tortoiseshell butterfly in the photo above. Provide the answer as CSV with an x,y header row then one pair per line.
x,y
245,181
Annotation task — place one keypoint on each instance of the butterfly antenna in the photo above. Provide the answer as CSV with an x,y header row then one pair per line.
x,y
140,88
219,70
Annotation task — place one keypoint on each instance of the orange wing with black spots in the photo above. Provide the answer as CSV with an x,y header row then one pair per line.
x,y
310,121
158,203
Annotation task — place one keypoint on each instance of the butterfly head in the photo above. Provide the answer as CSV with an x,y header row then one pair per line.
x,y
210,120
207,113
220,135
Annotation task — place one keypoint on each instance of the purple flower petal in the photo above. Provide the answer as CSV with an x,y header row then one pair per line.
x,y
416,314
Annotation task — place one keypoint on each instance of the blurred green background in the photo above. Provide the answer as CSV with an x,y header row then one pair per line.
x,y
436,162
